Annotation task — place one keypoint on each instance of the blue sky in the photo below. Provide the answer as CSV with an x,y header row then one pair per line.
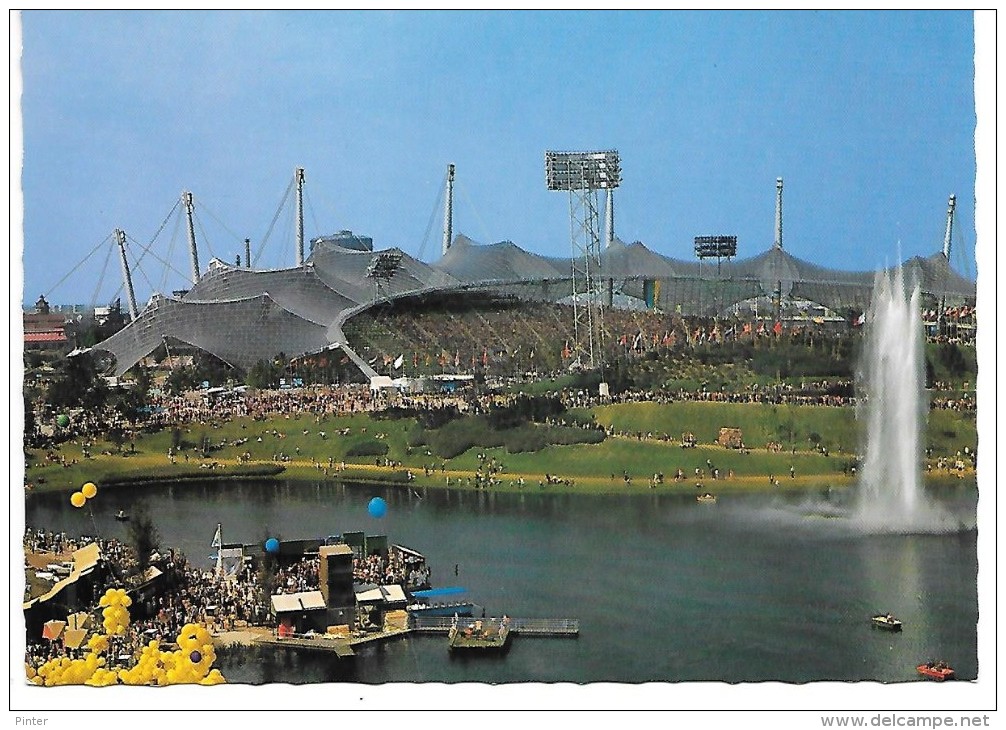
x,y
868,116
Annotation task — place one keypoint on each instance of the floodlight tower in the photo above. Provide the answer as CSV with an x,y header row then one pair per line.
x,y
299,176
448,211
582,174
383,268
609,218
778,212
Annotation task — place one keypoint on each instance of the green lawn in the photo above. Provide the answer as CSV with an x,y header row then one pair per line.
x,y
300,438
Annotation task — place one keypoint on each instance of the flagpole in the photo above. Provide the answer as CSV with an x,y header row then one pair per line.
x,y
218,539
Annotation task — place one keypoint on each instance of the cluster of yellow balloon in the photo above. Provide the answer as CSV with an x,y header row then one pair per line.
x,y
194,657
148,670
88,491
116,616
189,664
63,671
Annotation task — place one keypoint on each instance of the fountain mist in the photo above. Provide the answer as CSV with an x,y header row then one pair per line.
x,y
894,408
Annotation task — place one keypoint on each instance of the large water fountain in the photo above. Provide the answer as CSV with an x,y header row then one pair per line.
x,y
893,405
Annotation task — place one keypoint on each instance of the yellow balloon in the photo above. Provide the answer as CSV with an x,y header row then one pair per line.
x,y
77,499
89,490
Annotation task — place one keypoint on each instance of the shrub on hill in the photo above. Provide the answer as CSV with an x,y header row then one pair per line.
x,y
370,447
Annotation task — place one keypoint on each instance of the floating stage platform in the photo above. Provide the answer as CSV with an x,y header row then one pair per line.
x,y
569,627
343,646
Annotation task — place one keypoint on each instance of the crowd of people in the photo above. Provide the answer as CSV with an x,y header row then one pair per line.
x,y
183,593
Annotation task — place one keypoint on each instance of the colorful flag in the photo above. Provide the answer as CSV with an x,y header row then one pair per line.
x,y
52,629
777,328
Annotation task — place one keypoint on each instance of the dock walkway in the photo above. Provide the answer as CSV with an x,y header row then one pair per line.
x,y
520,626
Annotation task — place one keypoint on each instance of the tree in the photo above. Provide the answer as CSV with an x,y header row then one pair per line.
x,y
117,436
143,382
77,384
143,539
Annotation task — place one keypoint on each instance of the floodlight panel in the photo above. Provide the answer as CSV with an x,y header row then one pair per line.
x,y
385,265
715,246
582,170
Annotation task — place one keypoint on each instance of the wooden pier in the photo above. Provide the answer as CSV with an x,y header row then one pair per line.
x,y
340,646
569,627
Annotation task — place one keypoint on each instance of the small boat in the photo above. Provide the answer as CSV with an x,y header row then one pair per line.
x,y
706,498
938,671
887,622
485,635
121,516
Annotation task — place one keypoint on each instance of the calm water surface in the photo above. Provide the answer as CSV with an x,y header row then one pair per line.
x,y
753,588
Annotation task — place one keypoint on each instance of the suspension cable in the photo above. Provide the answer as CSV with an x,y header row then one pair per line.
x,y
485,230
101,278
143,273
272,223
79,264
310,210
202,232
203,206
433,215
171,250
163,262
178,201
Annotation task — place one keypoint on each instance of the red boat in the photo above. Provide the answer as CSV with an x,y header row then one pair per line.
x,y
936,670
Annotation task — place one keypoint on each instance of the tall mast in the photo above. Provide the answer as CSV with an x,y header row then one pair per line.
x,y
247,253
193,253
300,215
609,218
778,212
950,226
448,210
127,279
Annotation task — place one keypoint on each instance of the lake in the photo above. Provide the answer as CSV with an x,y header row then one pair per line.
x,y
752,588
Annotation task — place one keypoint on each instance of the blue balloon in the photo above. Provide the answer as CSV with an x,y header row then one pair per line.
x,y
377,507
272,545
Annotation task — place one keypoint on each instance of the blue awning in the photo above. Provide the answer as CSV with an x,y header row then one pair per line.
x,y
433,592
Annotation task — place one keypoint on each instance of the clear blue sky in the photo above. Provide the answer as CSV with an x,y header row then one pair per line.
x,y
868,116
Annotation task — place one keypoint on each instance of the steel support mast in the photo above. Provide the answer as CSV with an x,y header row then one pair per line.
x,y
947,236
193,252
127,279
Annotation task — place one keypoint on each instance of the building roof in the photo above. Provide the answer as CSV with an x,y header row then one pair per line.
x,y
53,336
386,594
294,602
243,316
